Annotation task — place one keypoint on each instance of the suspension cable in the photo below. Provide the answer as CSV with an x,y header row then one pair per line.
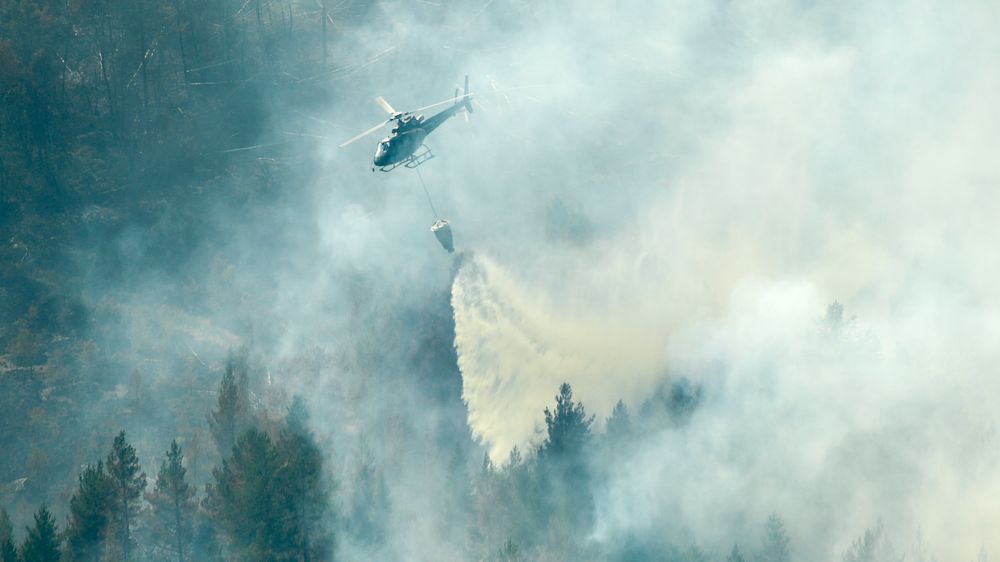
x,y
427,193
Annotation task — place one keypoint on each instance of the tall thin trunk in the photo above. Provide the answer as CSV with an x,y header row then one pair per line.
x,y
177,523
142,66
3,182
180,39
64,70
226,39
108,93
125,537
323,2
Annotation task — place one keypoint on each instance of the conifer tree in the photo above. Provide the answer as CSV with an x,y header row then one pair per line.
x,y
514,459
619,423
8,553
87,523
568,426
775,540
42,542
484,501
173,505
127,483
231,417
205,545
244,500
873,546
565,474
735,555
302,487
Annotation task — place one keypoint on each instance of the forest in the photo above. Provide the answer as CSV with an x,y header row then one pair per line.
x,y
691,316
269,498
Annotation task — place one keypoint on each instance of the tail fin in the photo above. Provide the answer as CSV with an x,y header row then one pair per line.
x,y
467,100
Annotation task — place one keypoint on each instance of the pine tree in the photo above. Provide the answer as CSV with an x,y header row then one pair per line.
x,y
619,423
514,459
87,523
873,546
42,542
485,526
775,540
565,474
231,417
568,426
173,505
301,485
244,500
8,553
735,555
205,545
127,484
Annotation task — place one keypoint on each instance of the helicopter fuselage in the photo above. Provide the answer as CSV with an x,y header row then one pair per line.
x,y
398,147
408,137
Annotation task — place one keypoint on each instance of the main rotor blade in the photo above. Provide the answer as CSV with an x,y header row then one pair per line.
x,y
385,105
366,133
452,100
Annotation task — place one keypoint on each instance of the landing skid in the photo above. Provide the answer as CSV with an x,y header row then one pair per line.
x,y
422,155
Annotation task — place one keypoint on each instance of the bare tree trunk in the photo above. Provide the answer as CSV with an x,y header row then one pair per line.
x,y
177,523
323,2
125,536
108,92
180,39
3,183
143,71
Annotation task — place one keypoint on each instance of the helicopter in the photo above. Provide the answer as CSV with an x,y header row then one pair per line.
x,y
405,144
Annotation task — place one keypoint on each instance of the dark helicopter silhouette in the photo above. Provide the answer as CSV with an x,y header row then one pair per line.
x,y
405,145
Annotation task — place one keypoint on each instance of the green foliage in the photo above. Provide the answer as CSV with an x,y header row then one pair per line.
x,y
303,488
173,506
88,514
541,503
270,498
872,546
735,555
244,497
775,540
566,473
8,553
42,542
205,545
127,484
619,423
231,416
568,426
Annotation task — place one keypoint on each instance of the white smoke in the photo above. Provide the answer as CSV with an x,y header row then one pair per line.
x,y
860,170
